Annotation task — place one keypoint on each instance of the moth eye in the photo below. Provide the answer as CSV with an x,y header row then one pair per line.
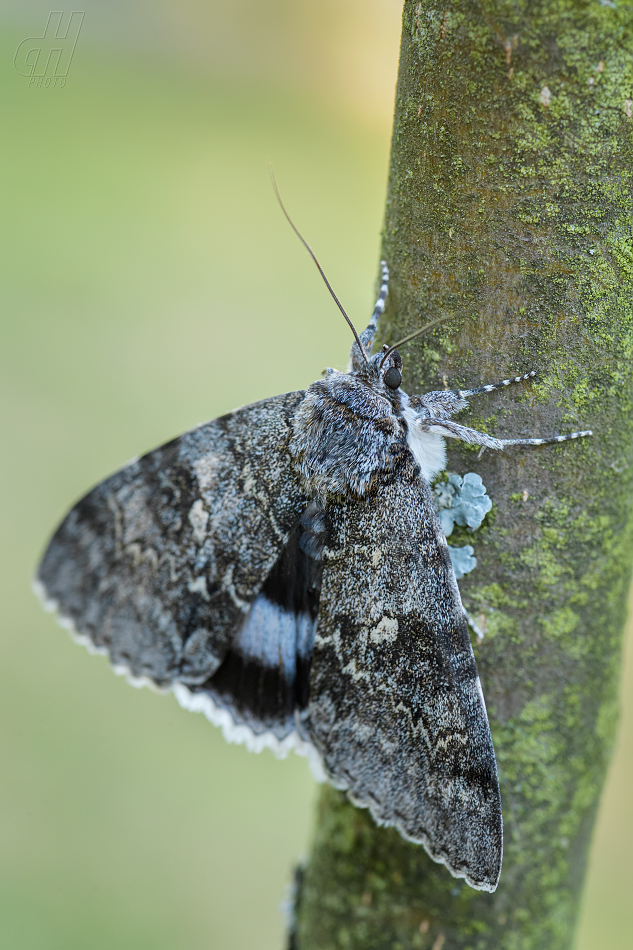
x,y
393,377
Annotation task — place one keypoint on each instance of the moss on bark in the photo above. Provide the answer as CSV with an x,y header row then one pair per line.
x,y
510,207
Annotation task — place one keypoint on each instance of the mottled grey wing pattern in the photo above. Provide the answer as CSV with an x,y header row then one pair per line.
x,y
160,563
396,708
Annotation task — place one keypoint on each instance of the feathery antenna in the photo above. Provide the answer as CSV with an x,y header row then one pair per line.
x,y
313,256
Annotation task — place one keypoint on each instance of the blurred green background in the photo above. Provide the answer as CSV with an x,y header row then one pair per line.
x,y
149,282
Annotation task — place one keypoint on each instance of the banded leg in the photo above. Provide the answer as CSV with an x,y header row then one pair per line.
x,y
367,336
446,402
548,441
471,436
490,387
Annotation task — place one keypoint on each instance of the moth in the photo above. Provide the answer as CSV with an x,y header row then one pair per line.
x,y
283,570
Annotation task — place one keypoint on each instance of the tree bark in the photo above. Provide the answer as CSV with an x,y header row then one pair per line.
x,y
510,208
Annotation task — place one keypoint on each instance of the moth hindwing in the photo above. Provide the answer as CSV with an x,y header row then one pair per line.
x,y
283,570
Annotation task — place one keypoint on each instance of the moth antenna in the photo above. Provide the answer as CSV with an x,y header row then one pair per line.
x,y
412,336
313,256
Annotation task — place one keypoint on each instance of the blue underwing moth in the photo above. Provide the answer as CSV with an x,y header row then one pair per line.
x,y
283,570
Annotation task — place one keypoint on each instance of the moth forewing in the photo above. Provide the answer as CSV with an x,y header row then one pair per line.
x,y
161,565
396,708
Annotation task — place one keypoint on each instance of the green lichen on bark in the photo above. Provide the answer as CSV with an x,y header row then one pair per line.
x,y
510,207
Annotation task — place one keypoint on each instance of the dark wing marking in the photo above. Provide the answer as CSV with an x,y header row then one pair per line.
x,y
159,564
263,680
396,708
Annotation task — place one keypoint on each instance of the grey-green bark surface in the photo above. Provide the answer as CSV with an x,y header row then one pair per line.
x,y
510,208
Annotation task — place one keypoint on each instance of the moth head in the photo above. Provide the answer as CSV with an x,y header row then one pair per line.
x,y
391,369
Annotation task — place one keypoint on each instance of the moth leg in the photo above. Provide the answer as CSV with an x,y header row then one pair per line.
x,y
490,387
471,436
474,627
446,402
549,440
367,336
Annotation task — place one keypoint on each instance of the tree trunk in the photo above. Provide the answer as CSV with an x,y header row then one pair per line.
x,y
510,208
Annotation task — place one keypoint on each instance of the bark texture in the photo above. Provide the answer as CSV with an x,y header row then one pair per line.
x,y
510,207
